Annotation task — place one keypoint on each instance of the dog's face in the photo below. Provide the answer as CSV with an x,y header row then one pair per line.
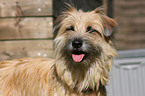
x,y
83,50
83,36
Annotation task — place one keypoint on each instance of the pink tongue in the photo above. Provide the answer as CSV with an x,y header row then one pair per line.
x,y
78,58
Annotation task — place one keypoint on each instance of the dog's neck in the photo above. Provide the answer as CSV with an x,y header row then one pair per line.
x,y
98,89
81,79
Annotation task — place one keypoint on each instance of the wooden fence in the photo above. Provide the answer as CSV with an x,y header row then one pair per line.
x,y
25,28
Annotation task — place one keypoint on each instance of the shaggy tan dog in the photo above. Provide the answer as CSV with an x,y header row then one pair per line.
x,y
83,57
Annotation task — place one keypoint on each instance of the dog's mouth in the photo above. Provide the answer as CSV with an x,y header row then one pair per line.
x,y
78,56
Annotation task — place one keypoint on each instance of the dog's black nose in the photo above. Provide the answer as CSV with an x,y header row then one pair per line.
x,y
77,43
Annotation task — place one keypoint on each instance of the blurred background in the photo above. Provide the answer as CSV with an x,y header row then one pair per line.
x,y
26,31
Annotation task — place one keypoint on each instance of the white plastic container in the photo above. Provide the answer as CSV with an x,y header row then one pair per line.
x,y
127,76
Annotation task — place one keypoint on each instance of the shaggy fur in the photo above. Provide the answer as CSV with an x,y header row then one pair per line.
x,y
64,76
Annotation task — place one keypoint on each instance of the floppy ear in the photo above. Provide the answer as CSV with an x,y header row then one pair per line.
x,y
109,24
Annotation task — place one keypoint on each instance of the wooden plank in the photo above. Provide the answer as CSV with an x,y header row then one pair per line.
x,y
138,12
132,37
120,45
26,48
131,4
26,28
105,2
12,8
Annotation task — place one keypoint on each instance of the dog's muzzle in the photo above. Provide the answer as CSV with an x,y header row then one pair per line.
x,y
77,53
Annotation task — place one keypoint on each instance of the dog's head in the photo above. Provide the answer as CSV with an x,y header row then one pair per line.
x,y
83,36
83,48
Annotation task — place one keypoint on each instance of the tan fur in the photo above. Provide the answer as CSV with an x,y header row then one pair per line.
x,y
61,77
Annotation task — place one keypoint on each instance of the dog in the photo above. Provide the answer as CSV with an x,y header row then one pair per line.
x,y
83,57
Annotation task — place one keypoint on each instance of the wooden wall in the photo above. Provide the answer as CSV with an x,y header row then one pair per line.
x,y
130,15
25,28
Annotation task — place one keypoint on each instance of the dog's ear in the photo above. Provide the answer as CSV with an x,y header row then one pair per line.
x,y
67,11
109,24
110,27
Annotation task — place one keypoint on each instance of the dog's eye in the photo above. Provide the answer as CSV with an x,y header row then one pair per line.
x,y
71,28
91,30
